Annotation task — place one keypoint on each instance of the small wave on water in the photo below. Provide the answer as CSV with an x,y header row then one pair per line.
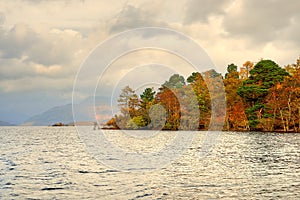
x,y
48,163
53,188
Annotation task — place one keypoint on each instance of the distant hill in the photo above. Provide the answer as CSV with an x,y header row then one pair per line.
x,y
12,116
2,123
64,114
51,116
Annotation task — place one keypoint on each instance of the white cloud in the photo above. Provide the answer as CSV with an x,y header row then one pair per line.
x,y
53,69
43,43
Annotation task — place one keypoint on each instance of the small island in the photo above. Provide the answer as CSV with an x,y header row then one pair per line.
x,y
59,124
259,97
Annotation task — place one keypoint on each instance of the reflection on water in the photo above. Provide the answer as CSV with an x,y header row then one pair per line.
x,y
52,163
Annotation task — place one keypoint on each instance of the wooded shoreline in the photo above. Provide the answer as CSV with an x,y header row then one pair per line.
x,y
201,130
259,97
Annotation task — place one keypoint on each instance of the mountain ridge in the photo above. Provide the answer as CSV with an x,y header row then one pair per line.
x,y
84,112
3,123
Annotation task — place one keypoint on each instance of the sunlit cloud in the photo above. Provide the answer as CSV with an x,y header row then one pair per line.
x,y
44,43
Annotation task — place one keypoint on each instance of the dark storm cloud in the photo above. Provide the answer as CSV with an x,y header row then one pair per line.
x,y
15,42
201,10
46,48
132,17
264,21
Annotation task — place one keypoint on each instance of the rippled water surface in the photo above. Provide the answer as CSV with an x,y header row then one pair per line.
x,y
52,163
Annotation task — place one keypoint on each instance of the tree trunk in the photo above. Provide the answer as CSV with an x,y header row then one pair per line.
x,y
273,120
282,120
289,113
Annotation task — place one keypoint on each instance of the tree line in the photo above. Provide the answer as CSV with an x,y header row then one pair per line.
x,y
259,97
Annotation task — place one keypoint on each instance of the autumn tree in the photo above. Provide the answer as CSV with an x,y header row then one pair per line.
x,y
158,116
245,70
168,99
261,97
200,89
235,116
190,110
171,95
129,104
136,122
263,76
112,123
232,71
284,102
215,85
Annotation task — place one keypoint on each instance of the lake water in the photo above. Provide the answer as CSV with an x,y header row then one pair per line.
x,y
53,163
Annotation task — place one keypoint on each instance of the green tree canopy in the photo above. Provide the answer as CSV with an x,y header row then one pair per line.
x,y
264,75
148,95
232,68
175,81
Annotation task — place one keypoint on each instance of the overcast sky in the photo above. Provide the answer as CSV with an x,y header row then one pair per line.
x,y
43,43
